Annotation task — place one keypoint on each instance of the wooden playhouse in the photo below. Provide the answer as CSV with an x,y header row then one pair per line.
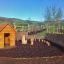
x,y
7,35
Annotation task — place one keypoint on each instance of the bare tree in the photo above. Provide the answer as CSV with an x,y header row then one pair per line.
x,y
48,17
53,14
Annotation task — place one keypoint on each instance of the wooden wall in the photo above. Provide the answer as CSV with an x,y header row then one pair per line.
x,y
10,30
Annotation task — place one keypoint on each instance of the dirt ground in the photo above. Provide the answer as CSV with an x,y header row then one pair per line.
x,y
39,53
37,60
27,51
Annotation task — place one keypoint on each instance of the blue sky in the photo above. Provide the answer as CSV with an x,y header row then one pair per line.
x,y
23,9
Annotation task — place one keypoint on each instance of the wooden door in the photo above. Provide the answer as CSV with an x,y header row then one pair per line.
x,y
6,39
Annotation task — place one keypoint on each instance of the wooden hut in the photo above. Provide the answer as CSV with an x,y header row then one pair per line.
x,y
7,35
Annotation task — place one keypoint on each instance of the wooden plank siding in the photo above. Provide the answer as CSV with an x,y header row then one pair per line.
x,y
11,31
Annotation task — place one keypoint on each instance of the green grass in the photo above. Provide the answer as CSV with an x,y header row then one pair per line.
x,y
52,29
43,33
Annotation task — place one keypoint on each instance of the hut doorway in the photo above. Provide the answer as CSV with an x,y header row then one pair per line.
x,y
6,39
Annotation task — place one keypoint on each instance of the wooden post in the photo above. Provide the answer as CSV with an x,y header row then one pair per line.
x,y
22,28
53,29
14,25
62,29
32,41
24,41
48,43
47,28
